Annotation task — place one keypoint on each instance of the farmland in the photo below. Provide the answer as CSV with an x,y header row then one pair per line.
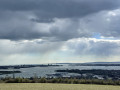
x,y
39,86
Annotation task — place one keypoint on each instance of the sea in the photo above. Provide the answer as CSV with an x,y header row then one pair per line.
x,y
51,70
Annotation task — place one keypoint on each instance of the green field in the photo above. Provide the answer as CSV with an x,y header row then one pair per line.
x,y
38,86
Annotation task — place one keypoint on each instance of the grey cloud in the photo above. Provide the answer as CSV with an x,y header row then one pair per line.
x,y
55,22
67,29
8,47
105,23
42,20
15,24
104,48
18,26
73,8
59,8
96,48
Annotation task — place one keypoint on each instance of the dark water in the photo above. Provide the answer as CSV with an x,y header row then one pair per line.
x,y
43,71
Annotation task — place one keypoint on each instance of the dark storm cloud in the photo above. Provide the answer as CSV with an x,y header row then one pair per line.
x,y
59,8
19,18
16,26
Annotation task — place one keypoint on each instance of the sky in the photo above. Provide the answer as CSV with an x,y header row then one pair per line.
x,y
59,31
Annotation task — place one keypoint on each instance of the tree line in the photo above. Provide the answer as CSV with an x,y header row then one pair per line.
x,y
60,80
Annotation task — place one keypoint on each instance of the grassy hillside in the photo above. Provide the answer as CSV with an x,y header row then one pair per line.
x,y
38,86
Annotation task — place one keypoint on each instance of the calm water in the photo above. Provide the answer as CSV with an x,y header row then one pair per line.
x,y
42,71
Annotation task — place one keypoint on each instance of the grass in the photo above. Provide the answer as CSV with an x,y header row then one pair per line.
x,y
39,86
